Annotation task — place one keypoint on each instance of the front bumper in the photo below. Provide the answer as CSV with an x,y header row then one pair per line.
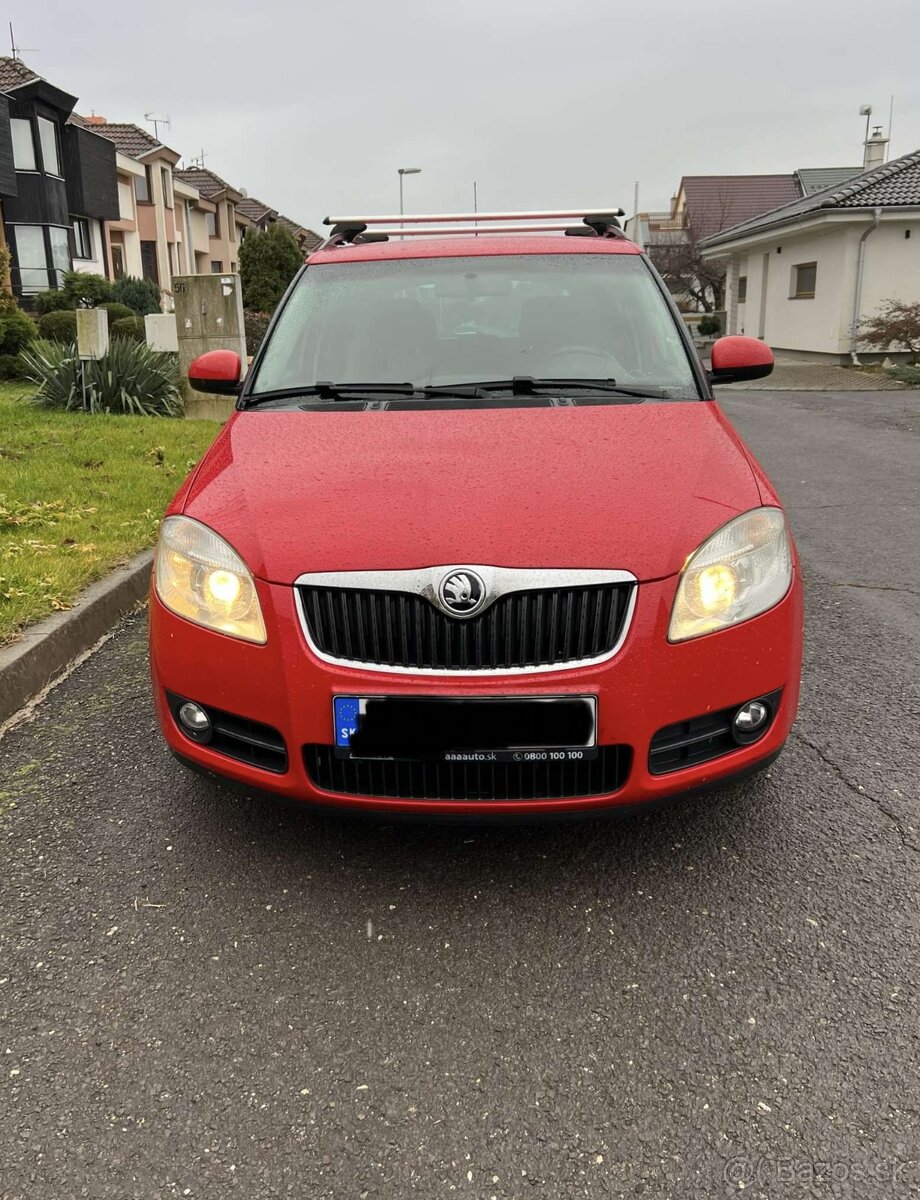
x,y
647,685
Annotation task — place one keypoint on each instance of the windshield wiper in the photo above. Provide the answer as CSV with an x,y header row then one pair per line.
x,y
325,390
527,385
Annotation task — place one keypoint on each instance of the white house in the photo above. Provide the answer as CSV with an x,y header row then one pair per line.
x,y
804,276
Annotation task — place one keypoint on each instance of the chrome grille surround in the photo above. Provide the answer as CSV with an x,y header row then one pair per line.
x,y
499,582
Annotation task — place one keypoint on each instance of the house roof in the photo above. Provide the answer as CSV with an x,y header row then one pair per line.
x,y
207,183
255,209
14,73
310,239
816,179
894,185
130,140
716,202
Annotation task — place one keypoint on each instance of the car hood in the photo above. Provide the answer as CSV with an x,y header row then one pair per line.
x,y
634,486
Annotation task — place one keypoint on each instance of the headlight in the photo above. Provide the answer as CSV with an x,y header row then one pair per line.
x,y
203,579
742,570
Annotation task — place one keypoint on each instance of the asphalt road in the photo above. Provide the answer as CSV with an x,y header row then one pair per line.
x,y
209,996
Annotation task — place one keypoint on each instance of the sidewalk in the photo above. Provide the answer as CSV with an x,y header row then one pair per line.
x,y
820,377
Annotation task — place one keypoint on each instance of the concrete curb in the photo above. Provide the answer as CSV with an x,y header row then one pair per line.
x,y
45,649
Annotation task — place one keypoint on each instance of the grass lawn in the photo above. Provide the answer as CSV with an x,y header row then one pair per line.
x,y
78,495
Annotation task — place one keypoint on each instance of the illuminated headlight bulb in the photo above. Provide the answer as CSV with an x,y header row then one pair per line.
x,y
717,585
224,587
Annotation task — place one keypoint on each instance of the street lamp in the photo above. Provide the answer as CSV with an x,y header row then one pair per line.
x,y
401,172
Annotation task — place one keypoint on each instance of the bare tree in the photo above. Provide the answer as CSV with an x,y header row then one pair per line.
x,y
681,262
684,269
897,323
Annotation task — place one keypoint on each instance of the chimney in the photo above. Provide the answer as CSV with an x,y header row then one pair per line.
x,y
876,148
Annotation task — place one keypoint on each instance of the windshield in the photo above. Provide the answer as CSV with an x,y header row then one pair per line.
x,y
447,321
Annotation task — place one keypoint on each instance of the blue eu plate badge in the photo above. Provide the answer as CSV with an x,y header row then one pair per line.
x,y
345,715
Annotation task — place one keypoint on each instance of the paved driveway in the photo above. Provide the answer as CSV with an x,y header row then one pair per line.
x,y
820,377
213,997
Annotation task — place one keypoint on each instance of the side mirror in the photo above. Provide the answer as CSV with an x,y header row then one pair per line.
x,y
217,372
734,359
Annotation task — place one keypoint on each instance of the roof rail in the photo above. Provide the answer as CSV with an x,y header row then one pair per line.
x,y
354,230
477,218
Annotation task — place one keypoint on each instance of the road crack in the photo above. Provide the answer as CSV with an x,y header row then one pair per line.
x,y
906,840
870,587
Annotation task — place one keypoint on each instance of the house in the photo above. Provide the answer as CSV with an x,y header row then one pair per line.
x,y
804,275
306,239
262,216
703,206
58,184
226,224
149,230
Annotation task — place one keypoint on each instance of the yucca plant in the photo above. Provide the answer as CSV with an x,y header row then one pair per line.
x,y
130,379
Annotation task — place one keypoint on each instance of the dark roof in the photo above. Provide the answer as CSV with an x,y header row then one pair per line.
x,y
816,179
255,210
716,202
130,140
14,73
207,183
307,237
893,185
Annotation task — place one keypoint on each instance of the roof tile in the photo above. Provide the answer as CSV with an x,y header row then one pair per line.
x,y
13,73
207,183
716,202
894,185
130,140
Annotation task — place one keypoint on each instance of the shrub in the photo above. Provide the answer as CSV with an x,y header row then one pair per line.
x,y
269,260
116,311
905,374
46,302
709,326
85,290
255,323
130,379
11,366
16,330
142,296
897,323
132,328
59,326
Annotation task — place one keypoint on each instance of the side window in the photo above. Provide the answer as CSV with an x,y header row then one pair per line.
x,y
804,278
47,135
23,145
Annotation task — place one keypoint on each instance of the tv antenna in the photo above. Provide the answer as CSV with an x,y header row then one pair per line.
x,y
156,122
198,160
18,51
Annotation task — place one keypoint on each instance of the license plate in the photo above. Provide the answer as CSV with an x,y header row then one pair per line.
x,y
501,729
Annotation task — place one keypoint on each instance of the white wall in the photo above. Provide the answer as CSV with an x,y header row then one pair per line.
x,y
823,324
132,253
891,269
125,199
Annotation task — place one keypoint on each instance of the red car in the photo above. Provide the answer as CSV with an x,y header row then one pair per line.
x,y
476,539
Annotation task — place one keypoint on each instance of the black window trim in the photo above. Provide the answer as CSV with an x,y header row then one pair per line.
x,y
75,241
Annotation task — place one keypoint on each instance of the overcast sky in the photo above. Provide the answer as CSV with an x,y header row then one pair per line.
x,y
543,103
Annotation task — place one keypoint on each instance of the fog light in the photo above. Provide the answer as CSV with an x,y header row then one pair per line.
x,y
195,721
750,719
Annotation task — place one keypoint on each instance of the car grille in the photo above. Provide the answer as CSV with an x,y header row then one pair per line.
x,y
536,628
405,780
